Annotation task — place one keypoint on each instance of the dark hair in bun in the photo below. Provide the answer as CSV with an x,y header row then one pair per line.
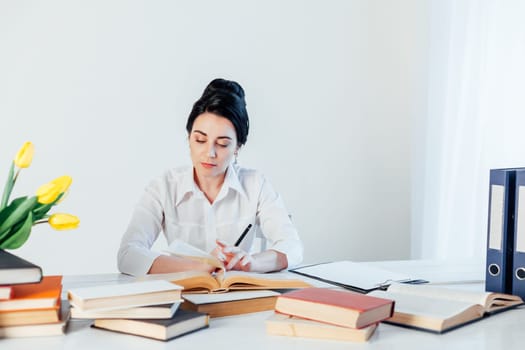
x,y
224,98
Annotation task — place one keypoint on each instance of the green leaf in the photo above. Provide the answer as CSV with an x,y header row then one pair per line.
x,y
8,186
7,211
19,213
40,210
18,235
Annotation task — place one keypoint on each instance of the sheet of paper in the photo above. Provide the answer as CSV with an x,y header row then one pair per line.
x,y
353,274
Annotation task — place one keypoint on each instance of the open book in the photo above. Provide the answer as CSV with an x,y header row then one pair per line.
x,y
439,309
222,280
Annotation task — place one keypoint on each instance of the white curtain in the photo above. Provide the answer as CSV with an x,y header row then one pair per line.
x,y
473,120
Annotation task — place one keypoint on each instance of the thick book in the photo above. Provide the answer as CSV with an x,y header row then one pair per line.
x,y
34,295
183,322
148,311
30,316
15,270
38,329
124,295
203,282
222,280
358,277
285,325
439,309
233,303
337,307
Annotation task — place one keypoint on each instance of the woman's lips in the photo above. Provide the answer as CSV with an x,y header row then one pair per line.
x,y
207,165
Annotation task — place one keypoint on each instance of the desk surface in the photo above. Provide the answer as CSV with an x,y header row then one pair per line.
x,y
500,331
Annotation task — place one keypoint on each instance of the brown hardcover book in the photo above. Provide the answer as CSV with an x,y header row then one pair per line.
x,y
337,307
233,303
183,322
439,309
286,325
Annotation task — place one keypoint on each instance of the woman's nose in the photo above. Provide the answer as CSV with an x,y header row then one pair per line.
x,y
211,152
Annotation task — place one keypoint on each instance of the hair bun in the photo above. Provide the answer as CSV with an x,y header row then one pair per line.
x,y
225,86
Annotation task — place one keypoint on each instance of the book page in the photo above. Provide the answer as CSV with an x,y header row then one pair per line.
x,y
440,293
189,280
430,307
185,250
254,280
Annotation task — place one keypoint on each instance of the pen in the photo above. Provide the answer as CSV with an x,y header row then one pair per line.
x,y
243,234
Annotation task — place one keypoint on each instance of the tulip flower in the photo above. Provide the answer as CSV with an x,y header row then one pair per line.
x,y
63,221
48,193
24,157
63,182
17,217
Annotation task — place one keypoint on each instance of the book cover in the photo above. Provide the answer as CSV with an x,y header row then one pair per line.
x,y
338,307
183,322
117,296
232,303
291,326
34,295
15,270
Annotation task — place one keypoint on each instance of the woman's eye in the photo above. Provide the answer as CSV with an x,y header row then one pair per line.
x,y
223,145
199,141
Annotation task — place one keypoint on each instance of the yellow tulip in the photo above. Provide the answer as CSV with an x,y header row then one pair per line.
x,y
63,221
48,193
25,155
63,182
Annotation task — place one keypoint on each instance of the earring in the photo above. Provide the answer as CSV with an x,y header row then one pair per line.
x,y
235,160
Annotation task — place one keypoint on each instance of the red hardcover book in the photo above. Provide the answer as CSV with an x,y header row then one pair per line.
x,y
338,307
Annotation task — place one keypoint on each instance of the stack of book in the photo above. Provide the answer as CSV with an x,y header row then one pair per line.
x,y
144,308
328,314
30,304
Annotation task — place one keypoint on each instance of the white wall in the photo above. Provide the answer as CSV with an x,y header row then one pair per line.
x,y
103,89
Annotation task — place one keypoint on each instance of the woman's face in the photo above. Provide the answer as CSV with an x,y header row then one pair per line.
x,y
213,143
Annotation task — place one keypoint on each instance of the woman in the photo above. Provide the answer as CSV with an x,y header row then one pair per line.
x,y
211,203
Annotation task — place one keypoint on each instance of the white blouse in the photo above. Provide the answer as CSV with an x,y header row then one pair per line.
x,y
174,204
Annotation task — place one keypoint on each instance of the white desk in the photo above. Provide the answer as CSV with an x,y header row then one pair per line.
x,y
247,332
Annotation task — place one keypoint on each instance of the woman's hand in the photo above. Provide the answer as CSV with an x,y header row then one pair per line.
x,y
234,258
